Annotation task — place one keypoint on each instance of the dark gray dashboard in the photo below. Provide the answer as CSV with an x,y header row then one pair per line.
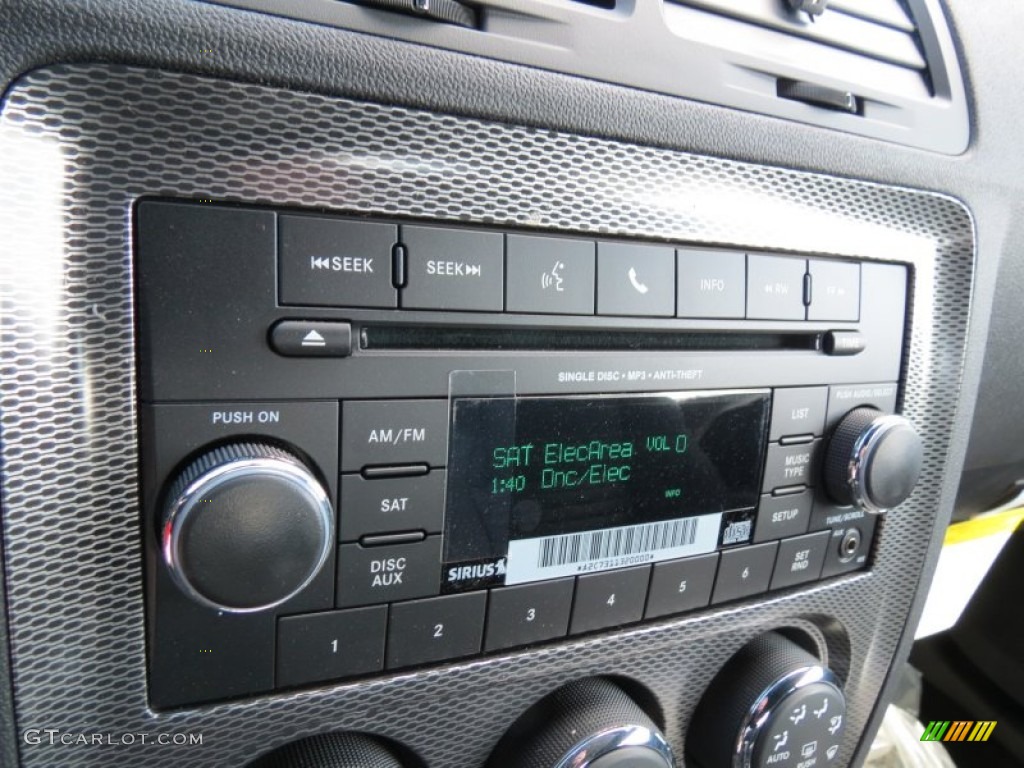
x,y
203,68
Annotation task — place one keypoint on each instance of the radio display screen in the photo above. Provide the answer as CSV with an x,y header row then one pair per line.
x,y
542,487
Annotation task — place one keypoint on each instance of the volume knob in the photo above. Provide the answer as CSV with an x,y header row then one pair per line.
x,y
246,527
872,460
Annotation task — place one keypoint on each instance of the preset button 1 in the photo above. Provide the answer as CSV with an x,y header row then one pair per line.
x,y
331,645
371,575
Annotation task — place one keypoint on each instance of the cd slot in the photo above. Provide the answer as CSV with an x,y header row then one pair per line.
x,y
410,337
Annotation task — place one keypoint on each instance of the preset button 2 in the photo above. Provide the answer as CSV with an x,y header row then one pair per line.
x,y
434,630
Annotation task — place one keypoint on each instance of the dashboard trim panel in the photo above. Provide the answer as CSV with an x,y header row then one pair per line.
x,y
80,144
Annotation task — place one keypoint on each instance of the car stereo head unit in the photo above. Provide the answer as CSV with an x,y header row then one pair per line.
x,y
372,445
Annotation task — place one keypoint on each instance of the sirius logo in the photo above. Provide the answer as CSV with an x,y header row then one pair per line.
x,y
476,571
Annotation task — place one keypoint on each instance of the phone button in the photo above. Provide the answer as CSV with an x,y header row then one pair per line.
x,y
635,280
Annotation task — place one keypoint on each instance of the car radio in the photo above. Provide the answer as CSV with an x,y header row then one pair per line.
x,y
372,445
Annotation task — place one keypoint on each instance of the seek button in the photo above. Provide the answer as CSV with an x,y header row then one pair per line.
x,y
454,269
332,262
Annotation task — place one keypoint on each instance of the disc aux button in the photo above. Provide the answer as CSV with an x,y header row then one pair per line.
x,y
372,575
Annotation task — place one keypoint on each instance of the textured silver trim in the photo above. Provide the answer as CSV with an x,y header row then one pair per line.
x,y
179,508
861,455
598,745
80,144
763,710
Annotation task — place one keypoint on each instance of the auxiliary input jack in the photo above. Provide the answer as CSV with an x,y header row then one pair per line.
x,y
849,545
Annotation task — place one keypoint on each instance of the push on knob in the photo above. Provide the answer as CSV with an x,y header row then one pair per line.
x,y
246,527
873,460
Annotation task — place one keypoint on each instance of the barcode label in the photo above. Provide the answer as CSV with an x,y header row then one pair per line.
x,y
552,556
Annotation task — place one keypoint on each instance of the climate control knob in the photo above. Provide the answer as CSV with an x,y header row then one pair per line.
x,y
872,460
246,527
589,723
773,705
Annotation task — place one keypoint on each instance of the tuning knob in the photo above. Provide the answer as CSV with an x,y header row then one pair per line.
x,y
872,460
773,705
588,723
246,527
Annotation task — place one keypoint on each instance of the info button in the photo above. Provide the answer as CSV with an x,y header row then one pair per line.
x,y
711,283
455,269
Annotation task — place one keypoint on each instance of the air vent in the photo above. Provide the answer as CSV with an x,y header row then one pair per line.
x,y
877,29
886,69
875,61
